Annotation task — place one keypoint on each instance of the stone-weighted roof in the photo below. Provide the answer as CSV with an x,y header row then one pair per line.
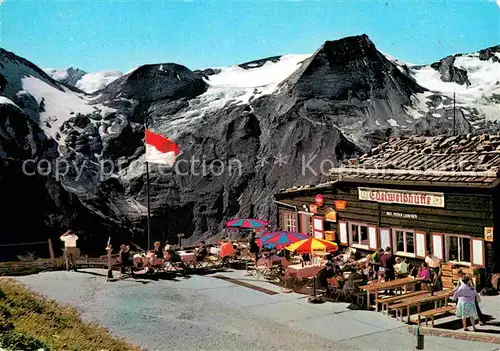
x,y
466,159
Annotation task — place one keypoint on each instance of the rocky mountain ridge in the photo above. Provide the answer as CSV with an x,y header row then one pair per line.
x,y
257,127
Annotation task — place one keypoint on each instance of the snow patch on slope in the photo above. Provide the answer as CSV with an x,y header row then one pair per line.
x,y
484,77
59,105
92,82
6,101
234,85
68,76
393,122
271,73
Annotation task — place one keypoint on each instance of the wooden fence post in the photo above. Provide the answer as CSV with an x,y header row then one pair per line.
x,y
418,339
180,236
51,251
109,249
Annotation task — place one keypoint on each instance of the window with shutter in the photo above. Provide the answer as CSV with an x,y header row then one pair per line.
x,y
420,244
372,236
358,235
385,238
289,221
437,245
478,252
403,242
306,225
343,237
318,227
281,220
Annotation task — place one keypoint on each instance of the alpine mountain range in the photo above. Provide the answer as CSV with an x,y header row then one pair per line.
x,y
333,104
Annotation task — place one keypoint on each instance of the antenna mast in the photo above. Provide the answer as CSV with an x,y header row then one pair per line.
x,y
454,115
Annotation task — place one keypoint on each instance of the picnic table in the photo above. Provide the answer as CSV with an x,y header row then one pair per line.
x,y
298,272
374,289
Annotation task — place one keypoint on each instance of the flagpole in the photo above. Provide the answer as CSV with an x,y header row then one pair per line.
x,y
147,192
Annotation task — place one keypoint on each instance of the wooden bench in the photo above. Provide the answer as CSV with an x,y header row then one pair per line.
x,y
398,308
405,303
391,299
435,312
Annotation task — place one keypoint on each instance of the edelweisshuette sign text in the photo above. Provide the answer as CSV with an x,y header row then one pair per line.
x,y
403,197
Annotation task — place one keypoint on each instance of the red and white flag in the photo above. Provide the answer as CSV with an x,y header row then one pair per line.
x,y
160,149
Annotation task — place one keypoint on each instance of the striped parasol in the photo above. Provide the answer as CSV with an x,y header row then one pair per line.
x,y
246,223
280,239
312,245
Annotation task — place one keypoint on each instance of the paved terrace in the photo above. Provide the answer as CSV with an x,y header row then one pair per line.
x,y
204,312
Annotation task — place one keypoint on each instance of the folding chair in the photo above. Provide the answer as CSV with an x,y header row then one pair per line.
x,y
216,262
333,287
261,271
349,291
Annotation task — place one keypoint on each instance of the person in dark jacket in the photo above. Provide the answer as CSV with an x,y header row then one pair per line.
x,y
201,252
125,259
253,248
325,274
387,261
158,250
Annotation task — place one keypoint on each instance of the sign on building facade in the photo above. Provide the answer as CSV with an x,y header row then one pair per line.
x,y
402,197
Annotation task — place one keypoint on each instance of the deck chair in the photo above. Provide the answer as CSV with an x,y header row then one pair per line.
x,y
262,271
158,265
171,266
210,262
273,272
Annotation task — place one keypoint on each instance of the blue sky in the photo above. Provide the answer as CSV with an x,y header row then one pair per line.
x,y
102,35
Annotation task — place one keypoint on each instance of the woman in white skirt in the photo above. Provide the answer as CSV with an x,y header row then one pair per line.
x,y
466,296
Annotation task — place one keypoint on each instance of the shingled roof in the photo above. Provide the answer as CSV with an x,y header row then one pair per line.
x,y
465,160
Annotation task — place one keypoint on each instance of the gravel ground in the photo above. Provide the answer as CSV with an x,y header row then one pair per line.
x,y
167,315
204,313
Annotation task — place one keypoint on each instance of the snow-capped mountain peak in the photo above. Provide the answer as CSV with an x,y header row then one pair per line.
x,y
87,82
69,76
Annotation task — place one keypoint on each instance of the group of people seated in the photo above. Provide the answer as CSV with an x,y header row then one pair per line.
x,y
129,260
143,260
380,266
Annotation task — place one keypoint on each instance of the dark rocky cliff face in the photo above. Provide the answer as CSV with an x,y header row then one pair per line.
x,y
239,145
450,73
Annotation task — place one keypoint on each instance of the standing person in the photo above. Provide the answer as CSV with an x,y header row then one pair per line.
x,y
434,264
466,297
480,315
125,259
69,238
387,261
253,247
375,262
